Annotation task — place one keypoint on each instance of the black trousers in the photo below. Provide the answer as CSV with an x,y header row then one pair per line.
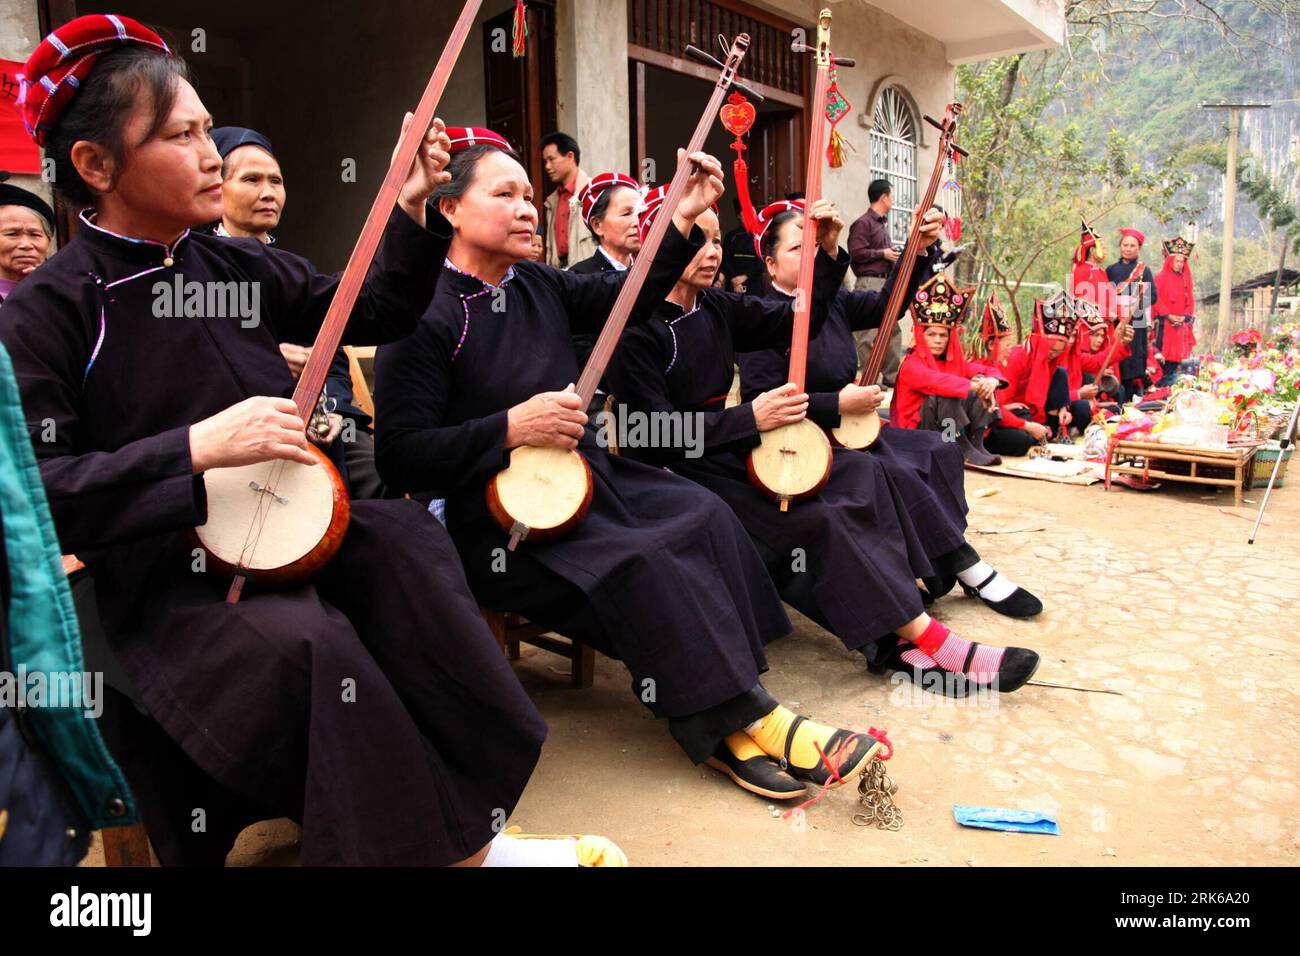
x,y
1012,442
1058,397
969,415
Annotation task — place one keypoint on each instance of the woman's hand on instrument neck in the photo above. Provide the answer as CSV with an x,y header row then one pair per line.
x,y
859,399
427,169
931,227
547,420
703,189
829,226
781,406
257,429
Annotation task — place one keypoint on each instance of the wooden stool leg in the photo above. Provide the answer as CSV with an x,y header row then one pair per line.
x,y
496,622
584,666
126,846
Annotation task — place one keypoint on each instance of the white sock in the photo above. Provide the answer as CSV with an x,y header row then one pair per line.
x,y
505,850
999,589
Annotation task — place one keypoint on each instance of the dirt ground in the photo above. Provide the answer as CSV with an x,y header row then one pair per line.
x,y
1154,595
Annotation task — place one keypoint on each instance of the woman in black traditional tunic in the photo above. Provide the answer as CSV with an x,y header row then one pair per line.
x,y
659,573
1133,279
928,471
371,703
849,557
609,204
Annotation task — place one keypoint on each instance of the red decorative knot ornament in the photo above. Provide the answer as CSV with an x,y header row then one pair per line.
x,y
737,116
837,107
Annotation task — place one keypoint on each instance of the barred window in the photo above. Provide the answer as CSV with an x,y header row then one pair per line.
x,y
893,157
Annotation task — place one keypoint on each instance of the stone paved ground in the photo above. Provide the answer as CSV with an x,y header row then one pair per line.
x,y
1156,595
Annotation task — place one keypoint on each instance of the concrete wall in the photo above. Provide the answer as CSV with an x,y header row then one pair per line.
x,y
591,80
340,95
888,52
19,34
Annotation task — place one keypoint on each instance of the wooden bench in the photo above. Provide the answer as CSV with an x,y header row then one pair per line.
x,y
1227,467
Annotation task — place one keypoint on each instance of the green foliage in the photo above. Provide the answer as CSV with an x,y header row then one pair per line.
x,y
1108,129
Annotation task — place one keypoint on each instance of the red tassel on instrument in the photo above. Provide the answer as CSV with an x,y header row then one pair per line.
x,y
519,31
737,118
837,107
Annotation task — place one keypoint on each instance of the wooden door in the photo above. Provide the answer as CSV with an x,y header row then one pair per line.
x,y
520,92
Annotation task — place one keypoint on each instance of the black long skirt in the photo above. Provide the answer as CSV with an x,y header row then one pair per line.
x,y
372,705
848,558
659,574
929,474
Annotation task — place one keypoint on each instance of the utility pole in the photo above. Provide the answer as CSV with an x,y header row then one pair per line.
x,y
1229,204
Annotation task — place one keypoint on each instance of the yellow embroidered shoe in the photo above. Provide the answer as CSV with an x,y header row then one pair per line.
x,y
591,850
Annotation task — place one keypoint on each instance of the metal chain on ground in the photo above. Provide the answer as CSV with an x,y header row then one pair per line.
x,y
876,791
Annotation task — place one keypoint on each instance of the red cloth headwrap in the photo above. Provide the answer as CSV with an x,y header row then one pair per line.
x,y
463,137
650,206
596,187
61,62
1136,234
770,212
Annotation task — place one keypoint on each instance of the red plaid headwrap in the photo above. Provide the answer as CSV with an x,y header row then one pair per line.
x,y
770,212
55,70
651,203
463,137
596,187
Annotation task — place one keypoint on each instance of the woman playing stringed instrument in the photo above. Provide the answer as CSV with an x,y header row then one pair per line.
x,y
847,557
659,573
370,703
926,470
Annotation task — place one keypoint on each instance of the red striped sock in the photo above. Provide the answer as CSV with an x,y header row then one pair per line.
x,y
950,651
917,658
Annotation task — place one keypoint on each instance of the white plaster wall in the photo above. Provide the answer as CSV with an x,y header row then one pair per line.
x,y
591,80
887,52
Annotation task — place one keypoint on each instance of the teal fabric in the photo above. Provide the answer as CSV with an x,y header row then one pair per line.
x,y
43,631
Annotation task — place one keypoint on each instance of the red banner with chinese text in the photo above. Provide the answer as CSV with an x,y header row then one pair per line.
x,y
18,154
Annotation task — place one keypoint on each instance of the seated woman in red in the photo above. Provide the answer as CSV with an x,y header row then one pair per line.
x,y
937,388
1041,380
1095,340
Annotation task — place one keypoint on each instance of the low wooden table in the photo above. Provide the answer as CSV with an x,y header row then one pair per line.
x,y
1154,456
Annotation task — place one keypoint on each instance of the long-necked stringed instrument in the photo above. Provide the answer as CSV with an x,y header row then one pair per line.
x,y
280,521
1105,381
544,492
793,462
862,430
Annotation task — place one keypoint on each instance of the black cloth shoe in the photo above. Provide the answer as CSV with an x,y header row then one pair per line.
x,y
976,456
934,679
759,775
851,759
1018,667
938,587
1019,603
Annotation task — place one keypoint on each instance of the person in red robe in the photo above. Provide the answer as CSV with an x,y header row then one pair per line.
x,y
1044,380
1096,338
997,339
1175,307
1089,280
937,388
